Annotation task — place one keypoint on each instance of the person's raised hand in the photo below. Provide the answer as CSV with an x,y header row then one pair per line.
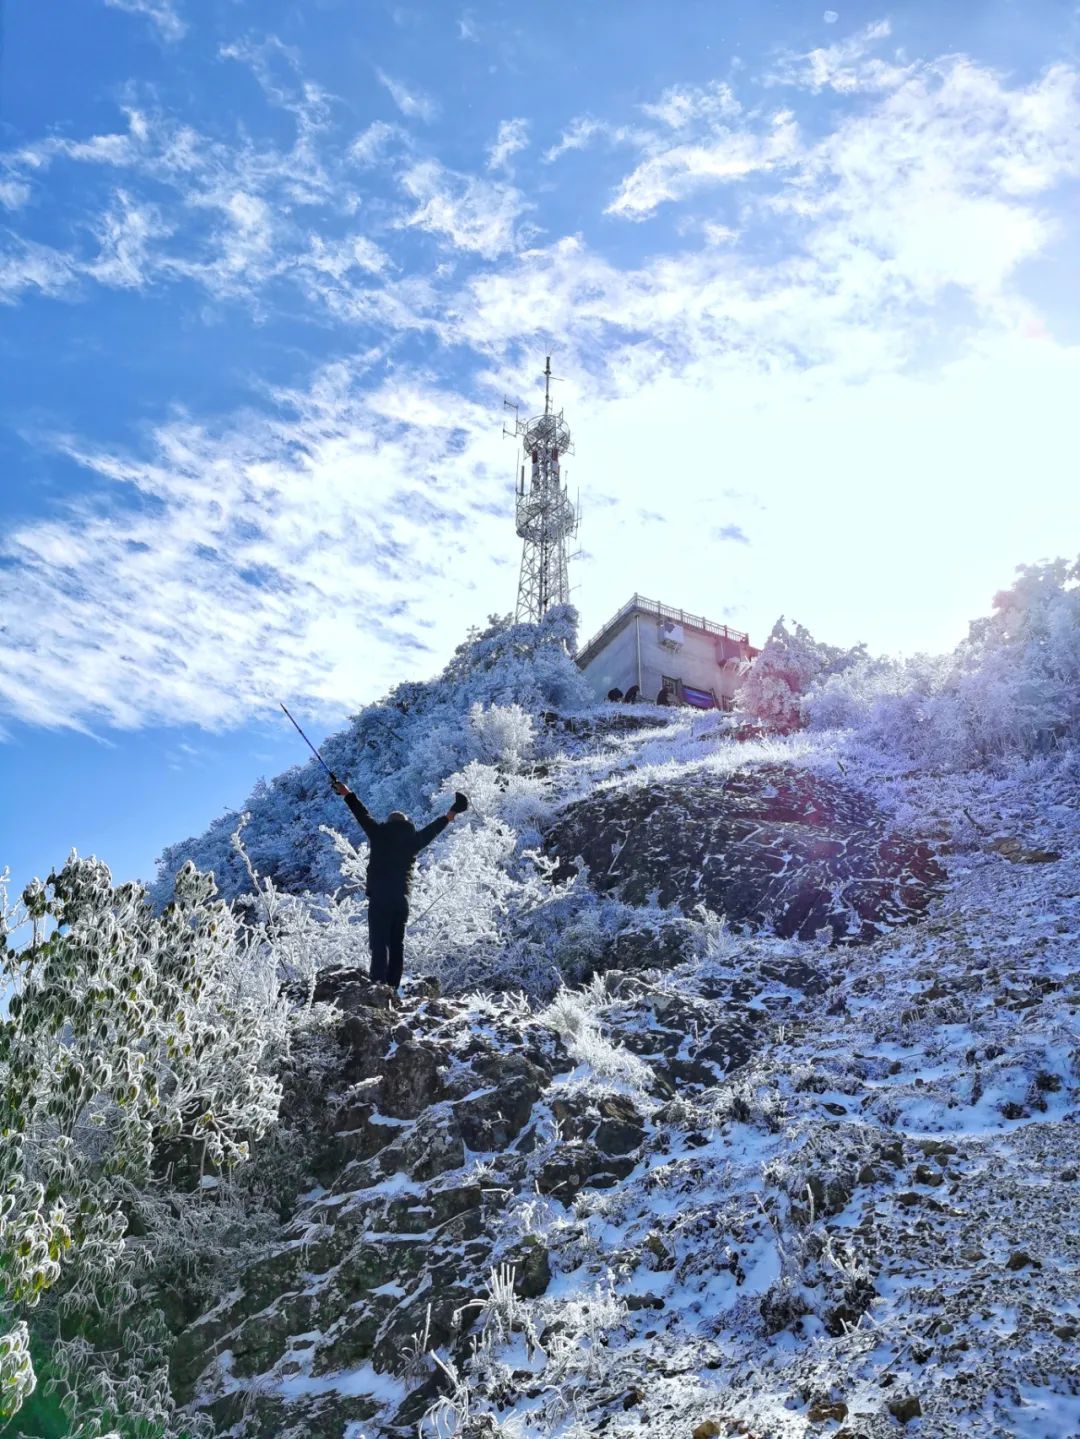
x,y
339,788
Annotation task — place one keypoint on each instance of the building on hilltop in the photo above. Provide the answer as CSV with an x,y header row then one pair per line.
x,y
650,645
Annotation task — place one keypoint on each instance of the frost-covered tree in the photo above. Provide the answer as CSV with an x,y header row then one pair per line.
x,y
131,1037
1012,687
790,661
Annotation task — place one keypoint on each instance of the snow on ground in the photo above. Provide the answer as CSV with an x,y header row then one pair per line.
x,y
861,1223
872,1225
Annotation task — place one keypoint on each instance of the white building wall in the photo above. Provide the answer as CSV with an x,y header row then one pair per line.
x,y
635,655
615,667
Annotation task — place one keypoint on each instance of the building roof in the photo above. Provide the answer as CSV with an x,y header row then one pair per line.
x,y
639,605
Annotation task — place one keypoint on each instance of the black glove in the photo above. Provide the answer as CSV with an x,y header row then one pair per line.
x,y
461,802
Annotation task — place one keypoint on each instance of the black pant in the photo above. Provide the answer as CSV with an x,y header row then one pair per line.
x,y
386,931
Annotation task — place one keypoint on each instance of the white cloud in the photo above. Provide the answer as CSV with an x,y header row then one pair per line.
x,y
845,67
682,106
301,170
352,253
472,214
122,148
925,195
125,235
249,194
894,234
212,595
930,184
371,145
32,267
513,136
577,136
584,130
830,17
14,194
727,155
413,103
161,13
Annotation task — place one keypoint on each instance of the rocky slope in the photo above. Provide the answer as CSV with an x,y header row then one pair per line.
x,y
744,1184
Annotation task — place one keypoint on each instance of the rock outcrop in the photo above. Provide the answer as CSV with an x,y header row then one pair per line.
x,y
435,1115
769,845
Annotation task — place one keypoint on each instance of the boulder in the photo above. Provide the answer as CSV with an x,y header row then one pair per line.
x,y
769,845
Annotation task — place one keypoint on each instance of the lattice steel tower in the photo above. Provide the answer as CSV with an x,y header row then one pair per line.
x,y
545,517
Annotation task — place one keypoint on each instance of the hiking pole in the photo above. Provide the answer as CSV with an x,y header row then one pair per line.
x,y
311,747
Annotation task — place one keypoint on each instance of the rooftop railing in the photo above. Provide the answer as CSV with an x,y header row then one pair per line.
x,y
641,605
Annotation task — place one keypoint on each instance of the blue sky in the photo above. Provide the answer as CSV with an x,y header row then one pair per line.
x,y
267,271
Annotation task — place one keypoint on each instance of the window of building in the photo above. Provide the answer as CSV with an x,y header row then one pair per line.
x,y
671,685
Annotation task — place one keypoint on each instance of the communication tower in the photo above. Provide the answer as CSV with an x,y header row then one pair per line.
x,y
546,519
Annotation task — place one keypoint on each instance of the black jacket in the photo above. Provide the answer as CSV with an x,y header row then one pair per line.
x,y
394,847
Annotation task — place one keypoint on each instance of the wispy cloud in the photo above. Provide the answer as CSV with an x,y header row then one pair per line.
x,y
257,560
34,268
371,145
230,210
513,136
259,548
126,233
413,103
845,67
161,13
14,193
930,187
677,172
470,213
683,106
585,130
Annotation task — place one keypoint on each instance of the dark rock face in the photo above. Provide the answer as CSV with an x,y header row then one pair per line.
x,y
403,1236
410,1080
769,846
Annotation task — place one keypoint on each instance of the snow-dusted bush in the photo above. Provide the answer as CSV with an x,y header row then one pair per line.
x,y
1011,688
130,1036
780,676
574,1015
505,733
398,754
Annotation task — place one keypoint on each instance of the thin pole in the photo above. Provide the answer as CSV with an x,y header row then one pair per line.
x,y
310,746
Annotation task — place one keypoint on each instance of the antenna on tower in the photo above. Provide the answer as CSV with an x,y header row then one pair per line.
x,y
545,515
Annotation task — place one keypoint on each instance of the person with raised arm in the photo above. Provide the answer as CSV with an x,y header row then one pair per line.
x,y
394,842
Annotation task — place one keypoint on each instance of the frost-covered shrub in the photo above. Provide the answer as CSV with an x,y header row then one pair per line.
x,y
130,1035
780,676
1011,688
574,1017
504,733
398,754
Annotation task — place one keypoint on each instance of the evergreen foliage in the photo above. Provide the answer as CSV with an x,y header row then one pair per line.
x,y
131,1038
